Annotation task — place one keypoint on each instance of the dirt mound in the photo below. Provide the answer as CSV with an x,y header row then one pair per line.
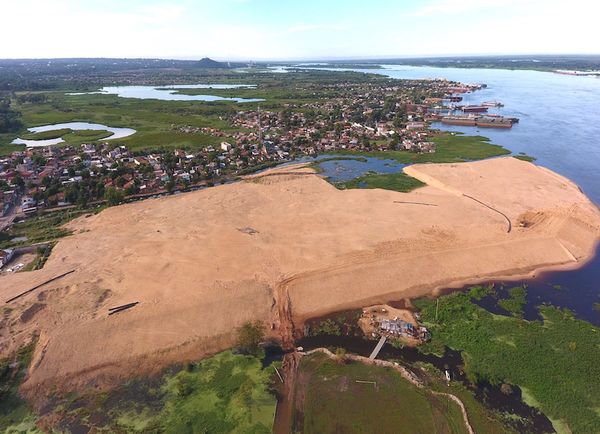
x,y
282,249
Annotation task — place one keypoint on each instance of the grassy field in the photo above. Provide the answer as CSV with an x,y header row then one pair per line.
x,y
15,415
226,393
329,400
6,148
47,227
482,419
45,135
152,119
450,148
555,361
393,181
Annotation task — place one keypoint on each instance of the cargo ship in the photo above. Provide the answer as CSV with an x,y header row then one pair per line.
x,y
492,104
474,109
480,121
453,98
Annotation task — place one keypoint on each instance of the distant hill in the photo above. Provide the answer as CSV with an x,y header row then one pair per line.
x,y
207,62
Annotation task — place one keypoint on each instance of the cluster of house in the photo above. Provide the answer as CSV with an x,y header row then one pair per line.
x,y
361,119
8,199
5,256
399,328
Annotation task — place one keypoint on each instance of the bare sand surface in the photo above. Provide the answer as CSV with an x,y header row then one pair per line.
x,y
279,247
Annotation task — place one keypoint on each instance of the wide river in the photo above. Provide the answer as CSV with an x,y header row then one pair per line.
x,y
559,115
560,126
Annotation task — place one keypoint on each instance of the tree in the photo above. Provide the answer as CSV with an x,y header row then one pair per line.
x,y
113,196
18,181
340,355
250,335
10,120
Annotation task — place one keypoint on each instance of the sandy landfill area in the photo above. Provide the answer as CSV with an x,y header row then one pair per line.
x,y
279,247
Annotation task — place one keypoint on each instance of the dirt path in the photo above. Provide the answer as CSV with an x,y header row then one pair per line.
x,y
285,406
284,312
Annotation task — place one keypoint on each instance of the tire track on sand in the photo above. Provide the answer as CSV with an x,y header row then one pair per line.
x,y
284,313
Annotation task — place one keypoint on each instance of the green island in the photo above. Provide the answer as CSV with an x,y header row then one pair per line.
x,y
72,137
393,181
533,355
516,300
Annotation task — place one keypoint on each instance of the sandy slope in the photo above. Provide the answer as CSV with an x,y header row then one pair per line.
x,y
198,275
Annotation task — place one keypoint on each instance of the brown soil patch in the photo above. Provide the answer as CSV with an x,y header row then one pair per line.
x,y
316,249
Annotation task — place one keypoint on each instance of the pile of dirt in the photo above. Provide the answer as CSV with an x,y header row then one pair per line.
x,y
313,250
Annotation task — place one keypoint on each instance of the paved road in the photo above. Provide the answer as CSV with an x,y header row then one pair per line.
x,y
7,220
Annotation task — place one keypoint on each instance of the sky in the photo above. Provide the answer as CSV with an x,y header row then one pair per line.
x,y
295,29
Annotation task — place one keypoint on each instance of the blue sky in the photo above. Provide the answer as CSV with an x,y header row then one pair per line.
x,y
309,29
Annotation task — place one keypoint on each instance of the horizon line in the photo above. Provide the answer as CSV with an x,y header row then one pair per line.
x,y
307,59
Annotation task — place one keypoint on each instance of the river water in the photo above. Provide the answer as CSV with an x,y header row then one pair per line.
x,y
560,126
559,115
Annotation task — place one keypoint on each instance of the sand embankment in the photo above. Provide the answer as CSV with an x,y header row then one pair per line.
x,y
283,246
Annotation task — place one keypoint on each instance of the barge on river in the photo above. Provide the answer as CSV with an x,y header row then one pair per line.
x,y
487,121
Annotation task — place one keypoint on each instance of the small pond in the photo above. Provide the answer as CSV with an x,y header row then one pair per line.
x,y
339,168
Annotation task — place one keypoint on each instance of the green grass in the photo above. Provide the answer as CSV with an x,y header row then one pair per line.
x,y
46,135
226,393
450,148
393,181
481,418
82,136
152,119
7,149
514,304
15,414
525,157
333,402
169,140
47,227
556,360
71,137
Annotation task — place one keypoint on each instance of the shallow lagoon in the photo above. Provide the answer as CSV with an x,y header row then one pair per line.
x,y
117,133
170,93
341,168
